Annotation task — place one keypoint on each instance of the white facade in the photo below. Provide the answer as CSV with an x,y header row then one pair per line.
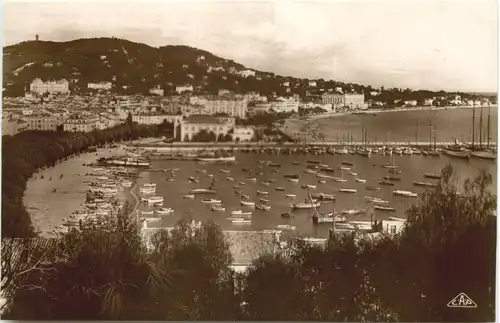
x,y
278,106
428,102
393,226
355,101
157,91
155,118
195,124
312,83
41,87
81,124
184,88
42,123
100,86
411,103
247,73
243,133
232,107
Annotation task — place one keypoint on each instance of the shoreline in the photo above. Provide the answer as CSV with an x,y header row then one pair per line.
x,y
48,208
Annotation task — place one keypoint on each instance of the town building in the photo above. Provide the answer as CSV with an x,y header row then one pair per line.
x,y
393,226
195,123
105,86
411,103
223,92
183,88
81,124
243,133
335,99
428,102
41,87
246,73
42,122
156,91
155,118
312,83
281,105
355,101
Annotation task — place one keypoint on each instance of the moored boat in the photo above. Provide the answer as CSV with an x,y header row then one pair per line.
x,y
359,180
386,183
427,184
279,188
263,207
433,176
165,211
203,191
404,193
247,203
384,208
218,209
348,190
211,201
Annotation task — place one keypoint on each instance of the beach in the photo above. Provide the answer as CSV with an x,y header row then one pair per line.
x,y
48,208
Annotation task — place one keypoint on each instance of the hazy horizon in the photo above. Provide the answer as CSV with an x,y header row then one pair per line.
x,y
420,45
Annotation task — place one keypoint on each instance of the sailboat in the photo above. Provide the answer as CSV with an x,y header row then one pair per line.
x,y
484,153
431,151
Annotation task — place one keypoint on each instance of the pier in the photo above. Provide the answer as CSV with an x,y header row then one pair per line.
x,y
202,146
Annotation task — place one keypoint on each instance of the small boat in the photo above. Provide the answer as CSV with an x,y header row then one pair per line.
x,y
291,176
279,188
244,196
263,200
328,218
203,191
285,227
310,171
386,183
170,179
328,170
459,152
225,171
305,205
147,213
348,190
188,196
290,195
372,188
274,165
247,203
338,179
353,212
345,168
241,213
218,209
393,178
241,183
241,221
295,163
353,173
426,184
375,200
404,193
165,210
433,176
322,181
262,193
324,197
359,180
294,180
211,201
271,180
253,179
348,163
147,185
194,180
384,208
313,161
286,215
485,154
265,183
230,178
263,207
155,200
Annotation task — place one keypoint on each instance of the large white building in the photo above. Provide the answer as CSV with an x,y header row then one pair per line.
x,y
41,87
194,124
243,133
44,122
81,124
184,88
355,101
106,86
155,118
279,106
156,91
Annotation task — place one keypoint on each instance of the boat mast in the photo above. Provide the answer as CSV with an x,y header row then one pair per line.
x,y
416,135
488,138
481,127
434,137
430,128
473,119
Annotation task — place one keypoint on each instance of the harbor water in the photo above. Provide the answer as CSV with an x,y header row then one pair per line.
x,y
412,169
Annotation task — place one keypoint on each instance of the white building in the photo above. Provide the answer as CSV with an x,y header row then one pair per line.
x,y
157,91
393,226
411,103
81,124
106,86
155,118
43,122
183,88
41,87
246,73
355,101
243,133
428,102
312,83
231,106
194,124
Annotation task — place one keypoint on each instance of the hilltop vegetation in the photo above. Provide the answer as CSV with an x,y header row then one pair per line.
x,y
135,68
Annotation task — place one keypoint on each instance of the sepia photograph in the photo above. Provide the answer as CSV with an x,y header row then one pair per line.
x,y
249,160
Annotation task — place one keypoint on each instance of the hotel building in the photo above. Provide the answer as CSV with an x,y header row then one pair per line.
x,y
194,124
41,87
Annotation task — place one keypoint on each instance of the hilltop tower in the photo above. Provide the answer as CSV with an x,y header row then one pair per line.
x,y
37,37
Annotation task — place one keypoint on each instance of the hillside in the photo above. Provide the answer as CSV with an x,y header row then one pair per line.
x,y
135,68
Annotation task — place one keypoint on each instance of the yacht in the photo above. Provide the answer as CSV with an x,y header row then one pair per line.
x,y
218,208
211,201
165,211
240,213
348,190
247,203
404,193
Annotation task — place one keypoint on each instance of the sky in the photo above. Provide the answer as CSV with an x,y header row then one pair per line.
x,y
449,45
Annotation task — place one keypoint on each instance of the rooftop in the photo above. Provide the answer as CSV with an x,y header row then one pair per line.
x,y
202,119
